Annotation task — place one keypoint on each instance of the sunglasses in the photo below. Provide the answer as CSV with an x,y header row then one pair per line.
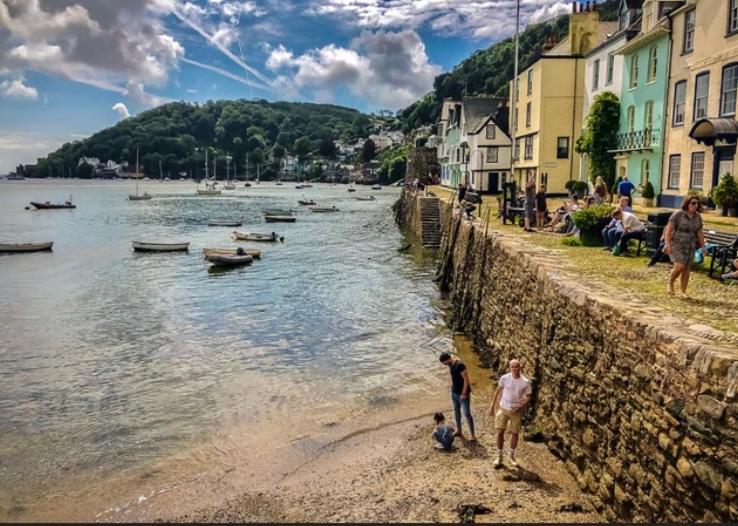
x,y
694,203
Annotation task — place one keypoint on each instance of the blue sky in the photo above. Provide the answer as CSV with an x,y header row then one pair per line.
x,y
71,67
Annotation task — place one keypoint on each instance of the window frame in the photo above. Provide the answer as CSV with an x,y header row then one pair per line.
x,y
691,170
697,78
530,82
677,85
648,115
732,17
528,113
630,119
686,50
653,64
633,72
674,157
528,152
596,75
559,148
490,126
645,162
493,158
610,69
721,112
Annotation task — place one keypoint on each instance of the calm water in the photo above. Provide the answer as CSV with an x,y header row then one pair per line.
x,y
114,364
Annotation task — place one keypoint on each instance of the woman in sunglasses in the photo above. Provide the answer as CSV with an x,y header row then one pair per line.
x,y
682,237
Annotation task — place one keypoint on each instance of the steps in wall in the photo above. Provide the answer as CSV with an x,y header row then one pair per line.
x,y
430,222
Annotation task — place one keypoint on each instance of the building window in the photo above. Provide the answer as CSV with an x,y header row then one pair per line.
x,y
458,155
733,16
516,154
517,90
631,118
689,24
610,68
530,82
648,116
701,94
596,74
492,154
680,99
490,131
562,148
653,63
645,171
647,15
529,147
527,115
675,163
440,130
728,90
698,170
634,71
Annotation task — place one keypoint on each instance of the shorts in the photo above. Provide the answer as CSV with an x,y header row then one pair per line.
x,y
503,416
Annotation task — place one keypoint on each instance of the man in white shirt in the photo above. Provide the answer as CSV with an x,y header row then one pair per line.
x,y
633,228
513,394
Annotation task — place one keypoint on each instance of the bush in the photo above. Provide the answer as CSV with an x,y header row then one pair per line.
x,y
570,185
581,188
648,191
725,193
591,217
571,242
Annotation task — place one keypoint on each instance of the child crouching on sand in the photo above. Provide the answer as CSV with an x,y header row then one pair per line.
x,y
444,434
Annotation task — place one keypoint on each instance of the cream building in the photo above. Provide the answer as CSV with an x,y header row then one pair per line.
x,y
700,143
550,101
486,146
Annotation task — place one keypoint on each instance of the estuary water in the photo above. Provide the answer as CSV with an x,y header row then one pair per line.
x,y
124,376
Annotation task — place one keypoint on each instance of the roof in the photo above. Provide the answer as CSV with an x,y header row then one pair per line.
x,y
477,110
708,131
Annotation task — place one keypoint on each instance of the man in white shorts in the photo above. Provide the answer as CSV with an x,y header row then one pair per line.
x,y
513,394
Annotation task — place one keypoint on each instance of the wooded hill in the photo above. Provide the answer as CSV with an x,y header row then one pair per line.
x,y
250,131
488,71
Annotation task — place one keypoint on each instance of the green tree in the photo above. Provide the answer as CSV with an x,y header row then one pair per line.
x,y
278,152
302,146
84,171
600,135
368,151
327,148
397,168
256,156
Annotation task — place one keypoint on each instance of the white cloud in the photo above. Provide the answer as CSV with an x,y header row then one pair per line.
x,y
15,89
389,69
489,19
121,109
225,35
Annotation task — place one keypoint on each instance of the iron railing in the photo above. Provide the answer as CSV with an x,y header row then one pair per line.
x,y
645,139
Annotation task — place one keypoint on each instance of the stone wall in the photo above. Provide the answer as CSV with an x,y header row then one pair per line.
x,y
642,410
422,163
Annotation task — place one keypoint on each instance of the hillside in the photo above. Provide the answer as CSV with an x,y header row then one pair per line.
x,y
488,71
176,133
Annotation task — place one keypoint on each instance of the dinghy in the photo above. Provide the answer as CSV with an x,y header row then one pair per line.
x,y
351,189
324,209
234,260
299,187
52,206
376,187
277,212
361,198
254,253
280,219
142,246
306,202
208,191
224,222
25,247
253,236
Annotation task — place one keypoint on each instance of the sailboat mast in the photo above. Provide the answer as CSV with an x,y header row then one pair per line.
x,y
206,164
137,174
258,165
228,168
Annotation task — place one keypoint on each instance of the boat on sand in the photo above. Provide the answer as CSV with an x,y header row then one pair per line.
x,y
362,198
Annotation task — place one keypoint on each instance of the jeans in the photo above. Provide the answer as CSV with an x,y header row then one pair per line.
x,y
628,236
611,236
460,404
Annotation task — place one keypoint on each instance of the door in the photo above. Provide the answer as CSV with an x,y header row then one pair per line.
x,y
724,163
493,182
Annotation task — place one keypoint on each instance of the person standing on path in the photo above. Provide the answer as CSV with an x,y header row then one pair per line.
x,y
513,395
625,188
682,236
530,203
460,392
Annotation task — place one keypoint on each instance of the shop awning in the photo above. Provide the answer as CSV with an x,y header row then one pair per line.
x,y
709,131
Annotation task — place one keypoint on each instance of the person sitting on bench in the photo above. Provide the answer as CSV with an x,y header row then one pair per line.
x,y
733,274
633,228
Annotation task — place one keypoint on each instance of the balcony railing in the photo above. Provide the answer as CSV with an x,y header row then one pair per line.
x,y
645,139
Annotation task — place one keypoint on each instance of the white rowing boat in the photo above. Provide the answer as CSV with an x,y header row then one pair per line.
x,y
279,219
142,246
254,236
224,222
25,247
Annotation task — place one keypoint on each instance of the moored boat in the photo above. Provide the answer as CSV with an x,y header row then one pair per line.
x,y
224,222
278,183
208,191
280,219
299,187
246,184
351,189
254,253
139,197
376,187
26,247
277,212
52,206
324,209
362,198
143,246
227,260
307,202
255,236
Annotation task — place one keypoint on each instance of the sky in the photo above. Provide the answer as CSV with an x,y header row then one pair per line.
x,y
69,68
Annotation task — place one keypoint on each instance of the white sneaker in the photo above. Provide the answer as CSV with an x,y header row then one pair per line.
x,y
513,462
498,462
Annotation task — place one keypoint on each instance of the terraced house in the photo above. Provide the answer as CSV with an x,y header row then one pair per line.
x,y
701,124
643,96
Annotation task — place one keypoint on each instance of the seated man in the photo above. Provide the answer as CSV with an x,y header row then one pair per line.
x,y
633,228
731,275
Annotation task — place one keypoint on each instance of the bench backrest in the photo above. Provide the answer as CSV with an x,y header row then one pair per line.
x,y
721,238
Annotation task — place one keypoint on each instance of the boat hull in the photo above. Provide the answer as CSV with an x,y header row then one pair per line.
x,y
254,253
25,247
280,219
142,197
141,246
52,206
223,260
216,222
323,210
306,202
250,236
208,192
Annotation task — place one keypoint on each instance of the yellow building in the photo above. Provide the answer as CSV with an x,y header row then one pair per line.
x,y
548,120
701,127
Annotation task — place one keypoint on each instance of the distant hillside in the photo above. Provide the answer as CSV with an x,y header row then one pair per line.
x,y
488,71
250,131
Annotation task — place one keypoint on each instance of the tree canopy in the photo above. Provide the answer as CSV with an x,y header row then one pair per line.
x,y
599,134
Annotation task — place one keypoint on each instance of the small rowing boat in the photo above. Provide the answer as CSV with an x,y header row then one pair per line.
x,y
142,246
362,198
224,222
376,187
254,236
25,247
52,206
277,212
234,260
306,202
323,209
139,197
208,191
280,219
254,253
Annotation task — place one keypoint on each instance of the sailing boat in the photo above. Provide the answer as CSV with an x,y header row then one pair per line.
x,y
209,188
139,197
246,168
229,185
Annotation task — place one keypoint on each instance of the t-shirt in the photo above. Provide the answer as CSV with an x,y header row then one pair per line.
x,y
632,223
444,435
625,188
541,201
514,391
457,381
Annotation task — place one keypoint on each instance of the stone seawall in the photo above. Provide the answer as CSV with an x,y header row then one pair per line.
x,y
641,408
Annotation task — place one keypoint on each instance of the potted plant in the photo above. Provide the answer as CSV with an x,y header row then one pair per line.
x,y
581,188
648,194
590,222
569,186
725,195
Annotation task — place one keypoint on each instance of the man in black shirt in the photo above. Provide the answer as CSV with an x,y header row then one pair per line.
x,y
460,392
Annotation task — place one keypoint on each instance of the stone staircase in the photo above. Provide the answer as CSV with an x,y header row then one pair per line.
x,y
430,222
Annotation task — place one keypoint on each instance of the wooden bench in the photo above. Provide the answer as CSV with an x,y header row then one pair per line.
x,y
724,251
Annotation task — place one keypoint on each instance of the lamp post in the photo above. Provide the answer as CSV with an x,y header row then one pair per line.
x,y
515,90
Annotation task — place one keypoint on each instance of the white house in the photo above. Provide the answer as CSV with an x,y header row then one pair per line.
x,y
486,146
